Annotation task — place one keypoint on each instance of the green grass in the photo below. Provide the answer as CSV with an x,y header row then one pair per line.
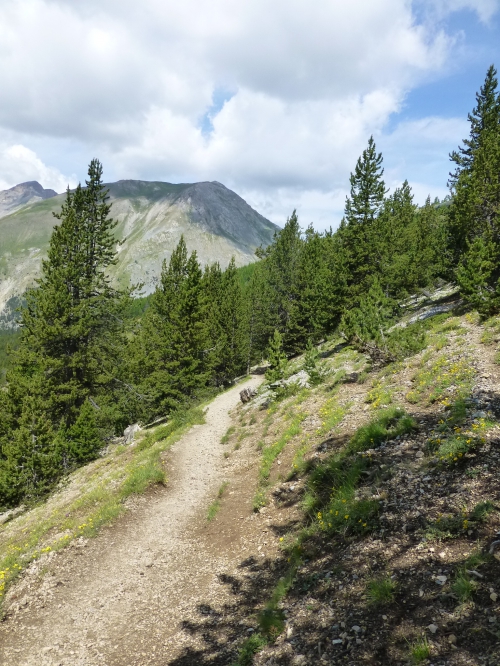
x,y
269,455
432,382
463,587
100,489
330,498
250,647
420,650
271,452
388,424
229,432
450,324
214,508
379,395
380,591
453,525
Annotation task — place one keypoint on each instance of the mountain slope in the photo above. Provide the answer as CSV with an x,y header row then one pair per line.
x,y
151,217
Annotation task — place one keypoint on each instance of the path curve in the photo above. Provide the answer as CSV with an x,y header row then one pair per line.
x,y
124,603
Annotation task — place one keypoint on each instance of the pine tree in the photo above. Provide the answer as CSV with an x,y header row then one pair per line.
x,y
311,357
67,357
282,265
361,210
473,179
258,315
277,359
392,246
364,326
484,117
171,362
478,275
232,318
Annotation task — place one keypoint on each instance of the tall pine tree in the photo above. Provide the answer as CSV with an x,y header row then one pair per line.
x,y
65,366
361,210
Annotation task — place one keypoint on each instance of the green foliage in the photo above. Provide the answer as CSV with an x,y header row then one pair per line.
x,y
311,364
364,326
277,359
475,210
388,424
408,341
67,368
420,650
361,210
9,340
250,647
380,591
463,586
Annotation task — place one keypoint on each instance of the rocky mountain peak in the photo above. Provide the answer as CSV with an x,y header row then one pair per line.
x,y
20,195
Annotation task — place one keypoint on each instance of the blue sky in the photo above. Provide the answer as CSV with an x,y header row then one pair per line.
x,y
275,100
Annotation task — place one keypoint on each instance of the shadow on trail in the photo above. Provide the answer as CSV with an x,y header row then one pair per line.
x,y
223,629
332,618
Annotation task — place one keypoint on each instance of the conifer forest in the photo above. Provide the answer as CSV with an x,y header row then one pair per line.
x,y
92,359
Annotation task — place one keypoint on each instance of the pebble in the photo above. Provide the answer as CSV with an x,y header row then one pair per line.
x,y
441,580
356,628
336,641
432,628
452,638
493,596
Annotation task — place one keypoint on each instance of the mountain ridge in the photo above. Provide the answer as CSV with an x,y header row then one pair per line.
x,y
23,194
151,216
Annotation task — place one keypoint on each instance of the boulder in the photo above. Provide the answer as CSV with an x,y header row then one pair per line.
x,y
129,432
247,394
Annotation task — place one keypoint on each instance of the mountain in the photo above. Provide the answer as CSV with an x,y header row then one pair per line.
x,y
151,217
21,195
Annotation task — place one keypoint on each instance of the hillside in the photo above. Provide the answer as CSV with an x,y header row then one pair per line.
x,y
347,523
151,216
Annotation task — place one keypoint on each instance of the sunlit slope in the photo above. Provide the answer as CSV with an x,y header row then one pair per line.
x,y
151,217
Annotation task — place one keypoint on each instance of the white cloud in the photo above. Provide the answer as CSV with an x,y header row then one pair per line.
x,y
130,82
19,164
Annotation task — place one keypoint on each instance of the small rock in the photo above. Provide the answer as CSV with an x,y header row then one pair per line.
x,y
356,628
441,580
419,454
492,619
299,660
384,617
420,593
432,628
336,641
452,638
493,596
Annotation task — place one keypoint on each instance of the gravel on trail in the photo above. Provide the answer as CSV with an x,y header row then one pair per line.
x,y
120,599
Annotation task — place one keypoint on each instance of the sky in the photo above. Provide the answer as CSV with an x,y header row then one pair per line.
x,y
275,100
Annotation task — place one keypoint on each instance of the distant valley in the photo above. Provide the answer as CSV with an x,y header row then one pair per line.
x,y
151,216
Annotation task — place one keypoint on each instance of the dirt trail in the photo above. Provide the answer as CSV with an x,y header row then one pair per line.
x,y
121,598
